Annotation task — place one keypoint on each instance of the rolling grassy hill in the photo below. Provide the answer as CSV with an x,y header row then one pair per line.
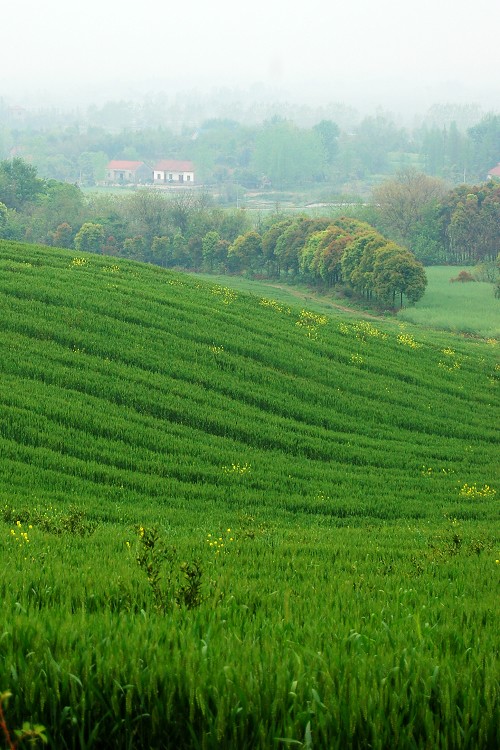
x,y
301,486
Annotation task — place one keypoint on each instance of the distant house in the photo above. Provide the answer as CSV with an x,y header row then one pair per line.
x,y
127,172
173,172
494,174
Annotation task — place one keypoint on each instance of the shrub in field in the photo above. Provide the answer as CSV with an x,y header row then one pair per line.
x,y
463,277
28,733
73,520
171,582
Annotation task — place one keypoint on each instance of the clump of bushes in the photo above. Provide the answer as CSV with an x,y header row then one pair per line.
x,y
463,277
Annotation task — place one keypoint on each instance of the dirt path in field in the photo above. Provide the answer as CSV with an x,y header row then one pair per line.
x,y
322,301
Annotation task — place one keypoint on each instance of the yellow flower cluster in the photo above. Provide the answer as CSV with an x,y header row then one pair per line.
x,y
406,339
450,367
428,471
236,469
274,305
216,349
20,536
472,491
111,269
361,330
357,359
79,262
310,322
227,295
219,544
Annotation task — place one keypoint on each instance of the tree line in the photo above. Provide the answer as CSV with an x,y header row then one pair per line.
x,y
284,151
187,231
458,226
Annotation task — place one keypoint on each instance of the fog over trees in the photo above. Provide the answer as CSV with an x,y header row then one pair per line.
x,y
422,185
254,142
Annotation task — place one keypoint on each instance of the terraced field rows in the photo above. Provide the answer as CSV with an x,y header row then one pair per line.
x,y
319,496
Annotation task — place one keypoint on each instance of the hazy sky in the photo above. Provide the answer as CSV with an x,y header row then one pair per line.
x,y
353,50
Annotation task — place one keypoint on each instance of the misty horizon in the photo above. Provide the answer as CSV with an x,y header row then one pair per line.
x,y
394,56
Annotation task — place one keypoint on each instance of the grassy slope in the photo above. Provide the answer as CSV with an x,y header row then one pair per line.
x,y
147,397
469,308
458,308
125,382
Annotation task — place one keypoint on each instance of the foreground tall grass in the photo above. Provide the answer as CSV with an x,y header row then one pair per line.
x,y
333,483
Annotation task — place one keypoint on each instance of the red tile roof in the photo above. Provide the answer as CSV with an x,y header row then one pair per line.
x,y
171,165
495,172
131,166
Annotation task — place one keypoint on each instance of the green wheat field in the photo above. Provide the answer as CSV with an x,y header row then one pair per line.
x,y
227,521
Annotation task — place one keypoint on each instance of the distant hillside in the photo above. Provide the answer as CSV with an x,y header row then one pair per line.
x,y
123,384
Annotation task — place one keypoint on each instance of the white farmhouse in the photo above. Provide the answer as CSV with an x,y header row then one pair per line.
x,y
172,172
494,174
120,172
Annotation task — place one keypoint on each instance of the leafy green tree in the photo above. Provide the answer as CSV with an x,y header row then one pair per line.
x,y
61,203
464,228
329,133
309,252
445,151
290,243
111,246
148,215
58,167
210,244
3,216
428,238
363,240
63,236
161,251
195,251
432,149
134,248
322,253
397,272
287,155
245,252
90,238
232,223
403,200
180,210
214,251
485,137
269,241
180,247
19,184
489,244
362,278
374,139
331,250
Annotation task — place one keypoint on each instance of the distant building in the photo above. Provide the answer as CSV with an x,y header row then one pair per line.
x,y
494,174
127,172
171,172
16,114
